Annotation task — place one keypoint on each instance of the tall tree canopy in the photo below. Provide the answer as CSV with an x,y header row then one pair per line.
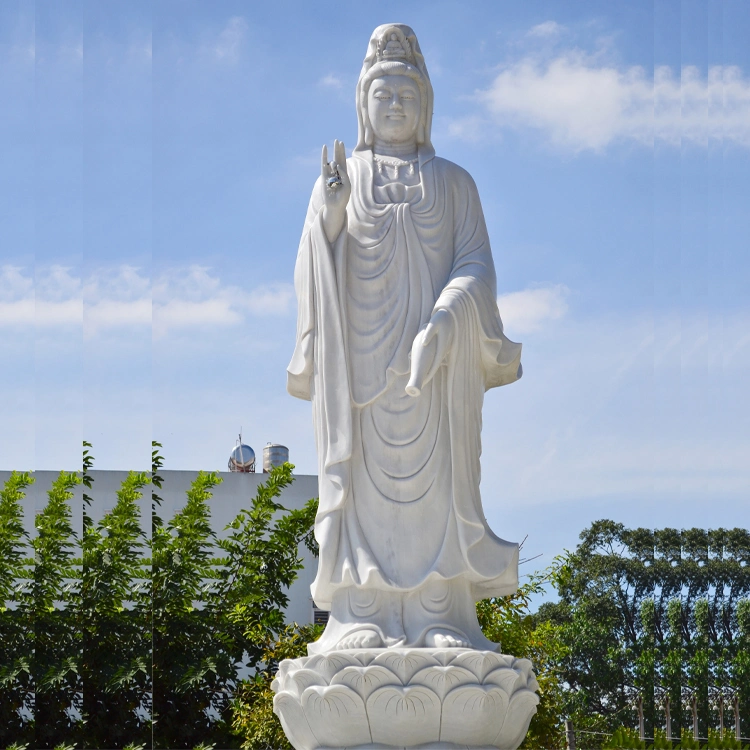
x,y
660,616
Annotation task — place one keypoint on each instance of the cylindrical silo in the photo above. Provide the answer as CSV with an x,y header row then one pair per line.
x,y
274,455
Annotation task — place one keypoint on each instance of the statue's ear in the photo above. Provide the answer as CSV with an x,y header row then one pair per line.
x,y
420,134
369,137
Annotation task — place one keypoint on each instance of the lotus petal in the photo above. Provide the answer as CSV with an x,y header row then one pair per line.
x,y
520,710
525,667
473,714
447,656
336,715
366,657
331,663
364,680
289,665
293,722
509,680
404,716
404,664
297,682
442,680
480,663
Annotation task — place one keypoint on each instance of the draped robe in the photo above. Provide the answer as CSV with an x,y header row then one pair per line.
x,y
399,475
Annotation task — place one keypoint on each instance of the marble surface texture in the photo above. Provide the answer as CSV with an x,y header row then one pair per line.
x,y
398,338
406,698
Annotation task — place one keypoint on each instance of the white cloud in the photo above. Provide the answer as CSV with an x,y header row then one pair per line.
x,y
123,283
195,298
529,310
57,284
14,285
228,45
470,128
612,406
121,297
331,81
546,30
580,103
116,298
54,300
271,299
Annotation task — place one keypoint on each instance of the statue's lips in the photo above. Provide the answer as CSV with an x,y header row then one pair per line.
x,y
396,117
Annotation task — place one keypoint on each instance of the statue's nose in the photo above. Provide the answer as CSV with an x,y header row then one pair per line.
x,y
396,102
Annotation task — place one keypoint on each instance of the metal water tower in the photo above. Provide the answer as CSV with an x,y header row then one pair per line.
x,y
274,455
242,458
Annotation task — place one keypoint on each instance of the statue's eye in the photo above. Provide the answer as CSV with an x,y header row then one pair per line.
x,y
384,95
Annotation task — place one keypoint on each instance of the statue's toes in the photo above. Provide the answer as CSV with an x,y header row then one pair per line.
x,y
361,639
446,639
370,639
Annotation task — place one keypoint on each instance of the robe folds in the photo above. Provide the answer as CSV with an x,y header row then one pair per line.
x,y
399,475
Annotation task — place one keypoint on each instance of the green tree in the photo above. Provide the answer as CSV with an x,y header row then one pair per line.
x,y
739,659
508,621
672,660
190,662
651,615
58,641
252,707
16,621
77,666
114,614
213,613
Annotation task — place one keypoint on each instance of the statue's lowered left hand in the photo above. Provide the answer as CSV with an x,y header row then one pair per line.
x,y
429,350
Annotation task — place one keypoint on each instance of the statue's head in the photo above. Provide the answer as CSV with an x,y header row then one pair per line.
x,y
394,93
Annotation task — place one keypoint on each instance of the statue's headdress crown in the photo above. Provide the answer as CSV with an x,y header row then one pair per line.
x,y
394,46
393,49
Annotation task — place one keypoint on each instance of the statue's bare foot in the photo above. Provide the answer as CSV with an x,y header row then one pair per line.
x,y
439,638
360,639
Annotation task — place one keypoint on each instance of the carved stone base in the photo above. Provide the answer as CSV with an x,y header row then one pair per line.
x,y
380,699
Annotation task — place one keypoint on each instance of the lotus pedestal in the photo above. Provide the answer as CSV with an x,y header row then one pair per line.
x,y
372,699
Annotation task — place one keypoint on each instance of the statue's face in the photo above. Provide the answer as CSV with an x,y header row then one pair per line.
x,y
394,106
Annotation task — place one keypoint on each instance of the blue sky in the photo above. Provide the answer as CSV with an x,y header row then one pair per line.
x,y
157,163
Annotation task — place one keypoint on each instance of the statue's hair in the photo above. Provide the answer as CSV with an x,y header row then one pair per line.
x,y
381,60
393,68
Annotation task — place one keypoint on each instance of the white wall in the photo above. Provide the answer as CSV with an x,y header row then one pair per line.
x,y
233,495
229,498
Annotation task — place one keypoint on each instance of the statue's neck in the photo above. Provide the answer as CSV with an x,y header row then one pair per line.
x,y
404,151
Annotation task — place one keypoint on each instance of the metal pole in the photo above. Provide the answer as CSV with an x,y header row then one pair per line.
x,y
694,707
721,716
570,735
737,733
668,716
641,720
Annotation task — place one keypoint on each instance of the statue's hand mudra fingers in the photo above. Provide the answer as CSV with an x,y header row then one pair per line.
x,y
339,155
325,170
336,184
336,190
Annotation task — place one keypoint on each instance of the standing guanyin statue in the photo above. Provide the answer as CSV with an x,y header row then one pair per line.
x,y
398,338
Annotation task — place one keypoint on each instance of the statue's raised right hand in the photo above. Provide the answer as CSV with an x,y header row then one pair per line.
x,y
336,189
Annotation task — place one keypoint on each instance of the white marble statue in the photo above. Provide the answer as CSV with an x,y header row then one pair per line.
x,y
398,338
